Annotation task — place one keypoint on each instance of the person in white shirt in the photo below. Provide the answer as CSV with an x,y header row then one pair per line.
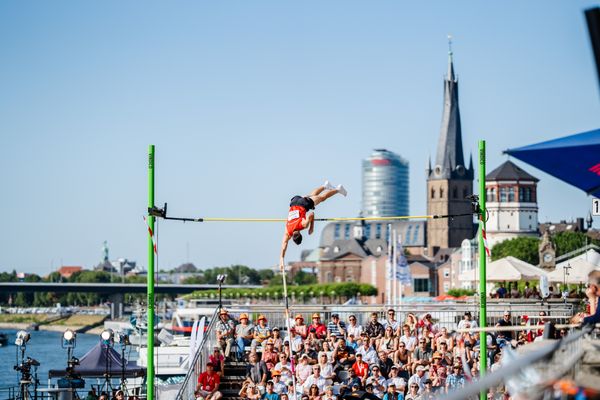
x,y
394,379
408,339
391,321
418,378
353,328
368,352
315,379
467,320
378,381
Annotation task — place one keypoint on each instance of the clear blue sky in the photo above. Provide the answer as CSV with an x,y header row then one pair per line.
x,y
252,102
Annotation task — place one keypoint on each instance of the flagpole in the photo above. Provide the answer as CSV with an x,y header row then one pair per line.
x,y
395,268
482,268
388,270
400,283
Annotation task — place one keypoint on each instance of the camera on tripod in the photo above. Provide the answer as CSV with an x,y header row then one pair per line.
x,y
25,368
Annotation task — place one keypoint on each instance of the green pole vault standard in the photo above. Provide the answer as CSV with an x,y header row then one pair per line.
x,y
150,281
482,272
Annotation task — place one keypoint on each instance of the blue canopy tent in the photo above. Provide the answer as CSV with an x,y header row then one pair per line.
x,y
573,159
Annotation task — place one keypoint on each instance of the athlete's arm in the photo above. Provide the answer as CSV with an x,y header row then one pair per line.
x,y
284,244
310,223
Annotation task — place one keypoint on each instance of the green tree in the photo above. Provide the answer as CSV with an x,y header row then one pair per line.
x,y
566,242
304,278
523,248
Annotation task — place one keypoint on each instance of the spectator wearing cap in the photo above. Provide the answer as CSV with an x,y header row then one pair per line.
x,y
467,320
336,327
270,392
374,328
269,355
505,321
378,381
392,394
320,330
314,379
225,331
244,333
208,383
396,380
278,386
299,328
261,332
343,355
427,393
353,328
360,368
256,371
368,352
455,380
418,377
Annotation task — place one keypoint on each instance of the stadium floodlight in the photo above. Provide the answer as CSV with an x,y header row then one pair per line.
x,y
22,338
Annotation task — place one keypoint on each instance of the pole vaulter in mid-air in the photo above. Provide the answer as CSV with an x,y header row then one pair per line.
x,y
300,217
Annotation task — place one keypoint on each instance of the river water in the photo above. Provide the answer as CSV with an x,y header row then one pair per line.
x,y
46,348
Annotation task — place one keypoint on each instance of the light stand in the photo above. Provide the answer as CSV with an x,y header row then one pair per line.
x,y
220,279
123,340
566,269
23,365
107,337
72,379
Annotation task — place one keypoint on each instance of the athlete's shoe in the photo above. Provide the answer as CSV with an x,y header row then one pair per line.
x,y
328,186
342,190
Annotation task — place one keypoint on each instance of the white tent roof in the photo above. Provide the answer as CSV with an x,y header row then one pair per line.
x,y
512,269
591,256
578,273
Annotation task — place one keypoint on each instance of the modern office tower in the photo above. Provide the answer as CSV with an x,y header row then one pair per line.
x,y
385,185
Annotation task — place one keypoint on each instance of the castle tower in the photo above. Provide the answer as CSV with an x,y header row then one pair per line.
x,y
450,181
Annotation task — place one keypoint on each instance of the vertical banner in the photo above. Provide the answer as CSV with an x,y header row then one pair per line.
x,y
388,267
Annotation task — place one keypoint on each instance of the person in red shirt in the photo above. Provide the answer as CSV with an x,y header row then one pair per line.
x,y
208,383
320,329
297,217
361,368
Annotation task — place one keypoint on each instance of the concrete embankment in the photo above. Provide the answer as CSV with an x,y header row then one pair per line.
x,y
56,323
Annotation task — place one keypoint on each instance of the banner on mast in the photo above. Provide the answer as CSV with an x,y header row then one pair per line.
x,y
403,270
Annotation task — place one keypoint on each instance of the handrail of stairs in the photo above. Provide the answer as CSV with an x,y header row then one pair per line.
x,y
209,340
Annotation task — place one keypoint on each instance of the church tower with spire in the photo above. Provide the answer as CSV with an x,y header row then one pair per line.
x,y
450,181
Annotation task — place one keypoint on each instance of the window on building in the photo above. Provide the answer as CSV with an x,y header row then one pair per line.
x,y
406,238
328,277
368,231
336,231
433,193
454,192
466,192
416,234
511,194
378,231
521,194
503,195
488,194
421,285
347,231
441,193
527,195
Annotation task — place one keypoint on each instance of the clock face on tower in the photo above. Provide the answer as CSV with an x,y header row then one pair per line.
x,y
547,257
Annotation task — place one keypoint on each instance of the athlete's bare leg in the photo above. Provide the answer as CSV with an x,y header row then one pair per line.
x,y
317,191
321,197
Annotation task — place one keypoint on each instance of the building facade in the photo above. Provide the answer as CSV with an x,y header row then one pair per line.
x,y
511,202
450,181
385,190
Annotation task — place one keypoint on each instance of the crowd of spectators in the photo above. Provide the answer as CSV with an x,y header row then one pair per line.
x,y
390,359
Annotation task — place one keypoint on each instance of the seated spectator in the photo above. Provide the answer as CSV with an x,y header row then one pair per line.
x,y
392,322
422,355
398,382
320,330
284,363
336,327
455,380
299,328
413,392
277,339
249,391
388,343
438,377
392,394
427,393
403,356
408,338
256,372
374,329
467,320
343,355
208,383
303,370
369,354
377,381
444,337
217,360
270,392
360,368
352,379
269,355
225,331
385,364
326,348
261,332
427,322
419,377
412,321
314,379
504,322
278,386
244,333
328,395
353,328
326,368
313,393
446,355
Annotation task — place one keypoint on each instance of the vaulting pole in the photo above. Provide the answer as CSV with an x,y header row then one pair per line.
x,y
288,326
482,269
150,281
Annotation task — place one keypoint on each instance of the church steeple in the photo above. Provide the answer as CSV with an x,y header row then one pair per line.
x,y
449,162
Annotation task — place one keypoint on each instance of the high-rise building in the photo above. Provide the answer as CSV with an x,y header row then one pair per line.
x,y
385,185
449,182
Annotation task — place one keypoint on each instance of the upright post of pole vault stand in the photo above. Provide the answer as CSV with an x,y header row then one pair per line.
x,y
150,281
482,271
